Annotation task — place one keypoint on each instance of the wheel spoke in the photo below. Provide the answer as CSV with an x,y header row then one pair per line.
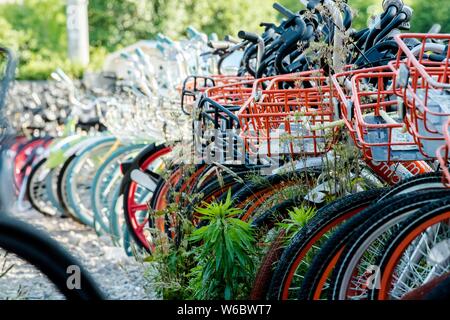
x,y
139,207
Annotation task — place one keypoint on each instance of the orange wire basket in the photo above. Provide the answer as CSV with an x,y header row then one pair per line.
x,y
201,83
424,84
380,130
221,80
343,85
195,85
442,154
290,116
219,104
216,120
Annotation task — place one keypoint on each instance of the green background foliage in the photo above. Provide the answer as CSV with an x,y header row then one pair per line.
x,y
37,28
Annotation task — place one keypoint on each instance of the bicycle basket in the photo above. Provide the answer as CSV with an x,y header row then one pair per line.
x,y
424,83
216,121
343,86
381,132
290,121
442,154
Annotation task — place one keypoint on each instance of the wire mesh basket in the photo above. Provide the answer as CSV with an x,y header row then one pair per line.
x,y
381,131
423,82
292,116
343,86
443,152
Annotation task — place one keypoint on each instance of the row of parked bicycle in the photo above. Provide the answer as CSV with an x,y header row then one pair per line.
x,y
349,128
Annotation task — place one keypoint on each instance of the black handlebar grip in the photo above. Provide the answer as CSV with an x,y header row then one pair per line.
x,y
283,10
268,25
437,57
408,11
249,36
348,17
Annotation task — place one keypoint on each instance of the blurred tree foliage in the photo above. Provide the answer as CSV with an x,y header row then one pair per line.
x,y
230,16
29,30
429,12
37,28
121,22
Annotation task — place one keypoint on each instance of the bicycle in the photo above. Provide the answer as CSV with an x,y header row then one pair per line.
x,y
33,246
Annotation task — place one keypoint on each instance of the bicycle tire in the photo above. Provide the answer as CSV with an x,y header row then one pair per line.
x,y
80,209
96,184
378,222
406,233
324,220
427,181
61,189
40,202
48,256
145,158
272,257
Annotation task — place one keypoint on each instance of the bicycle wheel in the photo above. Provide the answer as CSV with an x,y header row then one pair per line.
x,y
267,266
427,181
189,181
116,217
267,222
79,175
61,189
295,259
24,160
416,253
107,177
257,196
136,195
441,291
52,189
437,288
47,256
215,188
352,275
38,183
316,284
126,241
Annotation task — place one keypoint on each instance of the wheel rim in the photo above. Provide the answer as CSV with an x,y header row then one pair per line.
x,y
356,272
39,191
80,182
133,207
392,271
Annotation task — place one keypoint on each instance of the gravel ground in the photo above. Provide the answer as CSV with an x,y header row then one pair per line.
x,y
119,276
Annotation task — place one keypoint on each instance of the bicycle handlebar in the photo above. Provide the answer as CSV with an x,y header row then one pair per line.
x,y
397,3
408,11
220,45
283,10
435,28
249,36
304,31
348,17
254,38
